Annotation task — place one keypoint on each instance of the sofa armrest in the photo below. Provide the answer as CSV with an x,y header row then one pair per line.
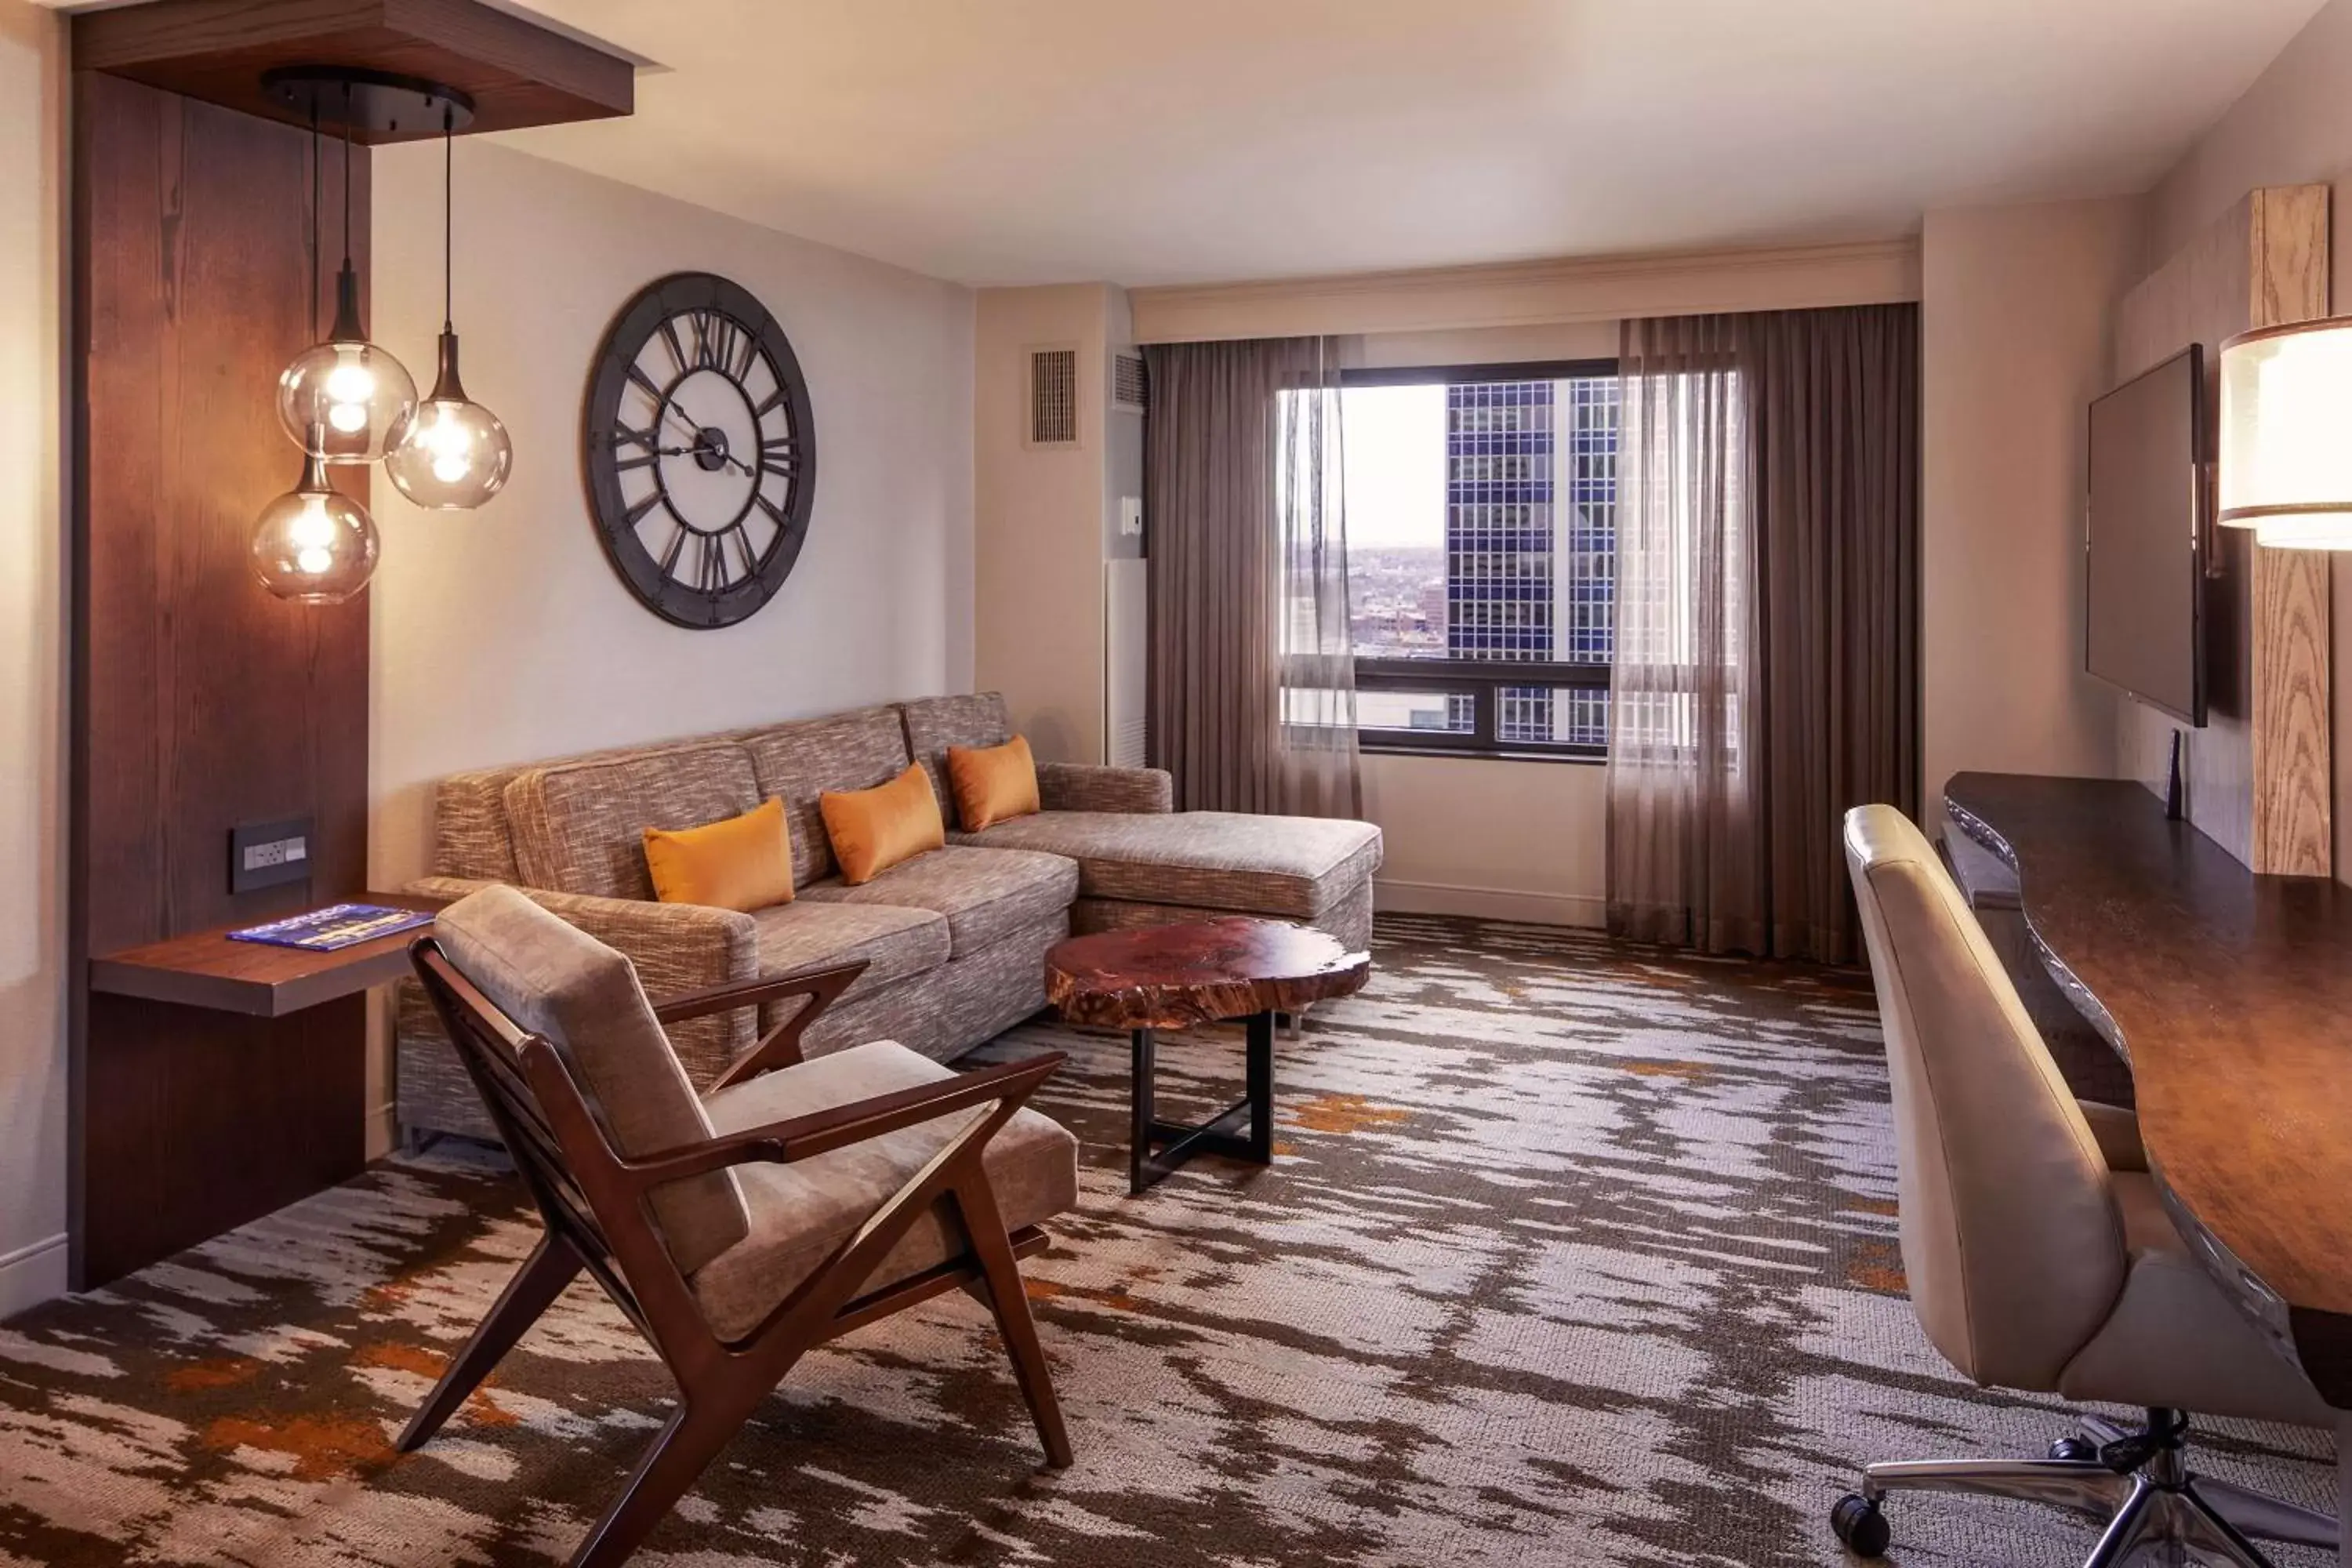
x,y
677,949
1085,786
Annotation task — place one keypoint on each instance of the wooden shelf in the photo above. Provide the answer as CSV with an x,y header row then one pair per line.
x,y
518,73
205,969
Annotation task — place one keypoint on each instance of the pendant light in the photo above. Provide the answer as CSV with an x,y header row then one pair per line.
x,y
342,399
313,544
453,454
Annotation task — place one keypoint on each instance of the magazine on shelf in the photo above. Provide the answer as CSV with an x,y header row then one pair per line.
x,y
336,927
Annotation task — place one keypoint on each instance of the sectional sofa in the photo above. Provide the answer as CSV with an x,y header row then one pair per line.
x,y
954,940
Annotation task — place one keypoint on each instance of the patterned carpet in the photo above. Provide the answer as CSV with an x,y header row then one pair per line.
x,y
1571,1255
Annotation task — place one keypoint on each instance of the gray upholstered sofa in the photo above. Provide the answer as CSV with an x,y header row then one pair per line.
x,y
955,940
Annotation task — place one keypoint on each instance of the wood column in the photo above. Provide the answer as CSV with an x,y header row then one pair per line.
x,y
199,700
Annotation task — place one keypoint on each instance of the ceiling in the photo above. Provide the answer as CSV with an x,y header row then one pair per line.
x,y
996,141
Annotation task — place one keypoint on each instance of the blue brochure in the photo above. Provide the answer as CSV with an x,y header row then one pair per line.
x,y
335,927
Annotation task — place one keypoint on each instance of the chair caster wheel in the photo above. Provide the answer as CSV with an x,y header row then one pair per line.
x,y
1858,1523
2078,1450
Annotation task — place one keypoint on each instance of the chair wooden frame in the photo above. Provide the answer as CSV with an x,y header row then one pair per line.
x,y
592,1202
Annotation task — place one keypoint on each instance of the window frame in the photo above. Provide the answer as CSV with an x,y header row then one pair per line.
x,y
1482,680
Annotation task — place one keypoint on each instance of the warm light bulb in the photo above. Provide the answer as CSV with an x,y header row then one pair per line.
x,y
347,417
311,528
350,380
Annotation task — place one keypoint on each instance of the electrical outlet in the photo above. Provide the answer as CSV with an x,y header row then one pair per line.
x,y
268,854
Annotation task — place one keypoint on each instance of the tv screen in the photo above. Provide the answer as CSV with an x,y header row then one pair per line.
x,y
2145,554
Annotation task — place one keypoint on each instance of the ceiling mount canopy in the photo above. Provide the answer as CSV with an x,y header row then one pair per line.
x,y
368,102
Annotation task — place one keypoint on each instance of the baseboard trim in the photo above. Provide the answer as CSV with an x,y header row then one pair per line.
x,y
1585,909
32,1274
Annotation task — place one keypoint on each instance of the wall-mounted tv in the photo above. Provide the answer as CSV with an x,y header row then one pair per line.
x,y
2146,538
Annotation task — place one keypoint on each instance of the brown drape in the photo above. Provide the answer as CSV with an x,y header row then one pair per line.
x,y
1252,680
1768,620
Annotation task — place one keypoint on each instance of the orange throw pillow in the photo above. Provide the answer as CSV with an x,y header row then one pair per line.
x,y
874,829
992,783
743,863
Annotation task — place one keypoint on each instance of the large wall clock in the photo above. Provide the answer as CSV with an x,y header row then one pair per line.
x,y
700,449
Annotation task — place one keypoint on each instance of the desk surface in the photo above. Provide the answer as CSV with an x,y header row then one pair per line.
x,y
2231,996
205,969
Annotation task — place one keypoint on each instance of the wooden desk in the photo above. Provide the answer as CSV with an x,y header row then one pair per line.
x,y
2230,994
222,1081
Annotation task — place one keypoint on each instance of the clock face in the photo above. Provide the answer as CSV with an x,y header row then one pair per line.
x,y
701,450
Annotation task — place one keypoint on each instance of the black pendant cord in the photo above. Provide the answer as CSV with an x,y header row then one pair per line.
x,y
314,220
448,224
347,179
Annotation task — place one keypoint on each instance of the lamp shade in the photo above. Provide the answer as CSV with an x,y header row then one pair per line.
x,y
2285,460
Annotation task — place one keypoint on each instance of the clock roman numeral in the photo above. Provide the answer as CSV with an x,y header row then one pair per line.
x,y
780,455
644,384
677,349
743,545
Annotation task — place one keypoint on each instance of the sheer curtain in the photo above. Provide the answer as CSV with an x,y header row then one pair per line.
x,y
1766,669
1253,701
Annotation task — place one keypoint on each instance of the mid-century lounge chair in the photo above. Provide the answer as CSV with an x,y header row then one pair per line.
x,y
793,1202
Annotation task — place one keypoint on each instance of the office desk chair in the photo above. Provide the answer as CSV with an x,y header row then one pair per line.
x,y
2039,1253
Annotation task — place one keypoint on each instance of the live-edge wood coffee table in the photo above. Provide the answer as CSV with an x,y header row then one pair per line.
x,y
1199,972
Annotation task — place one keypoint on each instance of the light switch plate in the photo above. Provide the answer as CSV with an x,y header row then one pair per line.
x,y
1131,516
268,854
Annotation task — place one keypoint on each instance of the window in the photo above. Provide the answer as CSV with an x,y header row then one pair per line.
x,y
1482,508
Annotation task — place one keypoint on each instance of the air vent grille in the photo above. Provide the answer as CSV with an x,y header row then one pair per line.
x,y
1052,397
1129,391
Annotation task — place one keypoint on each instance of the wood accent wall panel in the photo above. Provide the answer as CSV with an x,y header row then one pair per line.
x,y
2260,775
199,700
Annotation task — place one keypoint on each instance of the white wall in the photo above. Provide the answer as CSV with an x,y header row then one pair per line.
x,y
32,659
1039,518
503,634
2013,347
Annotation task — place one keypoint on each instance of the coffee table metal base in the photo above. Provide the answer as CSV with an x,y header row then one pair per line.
x,y
1243,1131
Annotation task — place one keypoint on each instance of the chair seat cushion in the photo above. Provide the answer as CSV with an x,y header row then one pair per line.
x,y
986,895
815,933
2175,1339
799,1213
1293,866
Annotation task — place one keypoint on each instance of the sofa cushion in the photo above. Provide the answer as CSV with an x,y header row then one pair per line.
x,y
1293,866
579,827
556,981
801,761
799,1213
935,723
984,894
892,942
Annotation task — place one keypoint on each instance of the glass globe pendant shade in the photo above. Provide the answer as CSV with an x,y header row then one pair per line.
x,y
343,400
453,454
313,544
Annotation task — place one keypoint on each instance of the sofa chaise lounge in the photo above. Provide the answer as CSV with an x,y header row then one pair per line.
x,y
954,941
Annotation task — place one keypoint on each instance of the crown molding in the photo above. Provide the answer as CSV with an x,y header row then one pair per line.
x,y
1534,294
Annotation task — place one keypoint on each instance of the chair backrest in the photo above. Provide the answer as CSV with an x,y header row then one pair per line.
x,y
546,978
2011,1241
